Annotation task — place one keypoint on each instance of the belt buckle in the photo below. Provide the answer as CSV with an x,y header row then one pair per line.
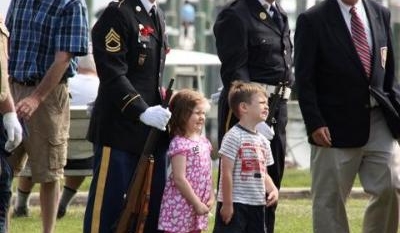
x,y
283,91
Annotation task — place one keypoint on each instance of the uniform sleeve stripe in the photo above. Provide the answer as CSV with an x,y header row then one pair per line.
x,y
129,101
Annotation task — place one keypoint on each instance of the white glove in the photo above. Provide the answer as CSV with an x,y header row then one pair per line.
x,y
215,96
13,129
265,130
156,116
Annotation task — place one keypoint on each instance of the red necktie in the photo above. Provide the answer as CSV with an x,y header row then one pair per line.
x,y
360,41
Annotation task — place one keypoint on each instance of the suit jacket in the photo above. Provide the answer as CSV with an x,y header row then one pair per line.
x,y
129,51
333,88
250,45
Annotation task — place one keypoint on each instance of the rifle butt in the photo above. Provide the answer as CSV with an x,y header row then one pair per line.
x,y
132,199
145,199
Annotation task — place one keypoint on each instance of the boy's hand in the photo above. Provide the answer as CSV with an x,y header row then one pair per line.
x,y
272,197
226,213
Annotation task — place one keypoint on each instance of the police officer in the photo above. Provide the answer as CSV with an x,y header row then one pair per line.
x,y
129,47
10,125
253,44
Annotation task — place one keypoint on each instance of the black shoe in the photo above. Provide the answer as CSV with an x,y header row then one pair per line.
x,y
61,212
21,211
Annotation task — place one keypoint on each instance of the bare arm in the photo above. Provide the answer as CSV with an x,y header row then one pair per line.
x,y
27,106
178,163
211,201
272,191
226,179
7,105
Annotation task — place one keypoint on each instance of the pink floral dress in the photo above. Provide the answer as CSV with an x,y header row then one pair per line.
x,y
176,214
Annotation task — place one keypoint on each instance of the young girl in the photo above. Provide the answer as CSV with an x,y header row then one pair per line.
x,y
188,195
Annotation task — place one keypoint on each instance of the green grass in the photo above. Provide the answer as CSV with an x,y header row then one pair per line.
x,y
291,178
72,223
302,178
292,216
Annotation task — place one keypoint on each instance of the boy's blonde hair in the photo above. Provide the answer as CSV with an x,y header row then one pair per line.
x,y
181,106
240,92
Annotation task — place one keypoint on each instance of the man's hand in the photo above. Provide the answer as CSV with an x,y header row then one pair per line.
x,y
265,130
156,116
322,137
27,106
13,129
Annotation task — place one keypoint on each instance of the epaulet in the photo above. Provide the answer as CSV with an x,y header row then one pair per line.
x,y
120,3
234,2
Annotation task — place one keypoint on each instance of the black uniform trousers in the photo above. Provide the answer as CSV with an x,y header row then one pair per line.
x,y
6,176
226,120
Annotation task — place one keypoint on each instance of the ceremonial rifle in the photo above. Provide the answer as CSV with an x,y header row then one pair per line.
x,y
138,196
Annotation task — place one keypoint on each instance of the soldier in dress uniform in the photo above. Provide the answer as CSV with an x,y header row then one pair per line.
x,y
129,47
10,125
253,44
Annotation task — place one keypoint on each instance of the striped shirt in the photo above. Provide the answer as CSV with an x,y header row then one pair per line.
x,y
251,153
39,29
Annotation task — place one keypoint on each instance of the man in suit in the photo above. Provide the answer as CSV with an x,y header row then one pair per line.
x,y
350,103
129,47
253,44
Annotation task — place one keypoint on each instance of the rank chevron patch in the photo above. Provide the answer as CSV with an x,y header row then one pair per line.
x,y
113,41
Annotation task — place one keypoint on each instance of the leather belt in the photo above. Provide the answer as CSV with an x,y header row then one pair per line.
x,y
32,82
271,90
27,83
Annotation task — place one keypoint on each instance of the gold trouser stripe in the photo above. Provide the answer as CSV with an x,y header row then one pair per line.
x,y
101,181
228,120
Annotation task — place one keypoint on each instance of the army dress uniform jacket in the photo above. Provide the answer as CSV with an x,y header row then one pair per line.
x,y
129,51
250,45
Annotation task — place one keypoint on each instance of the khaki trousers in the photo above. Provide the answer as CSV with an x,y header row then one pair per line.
x,y
334,171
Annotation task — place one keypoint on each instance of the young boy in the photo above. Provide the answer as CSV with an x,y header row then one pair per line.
x,y
245,186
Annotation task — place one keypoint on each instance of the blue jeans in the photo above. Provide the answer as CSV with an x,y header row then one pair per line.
x,y
6,176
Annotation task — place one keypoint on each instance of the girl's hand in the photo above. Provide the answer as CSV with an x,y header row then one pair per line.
x,y
272,197
226,213
210,202
201,208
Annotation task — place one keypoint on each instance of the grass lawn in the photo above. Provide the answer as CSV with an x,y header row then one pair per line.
x,y
293,215
291,178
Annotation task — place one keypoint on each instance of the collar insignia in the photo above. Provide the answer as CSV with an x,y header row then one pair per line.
x,y
263,15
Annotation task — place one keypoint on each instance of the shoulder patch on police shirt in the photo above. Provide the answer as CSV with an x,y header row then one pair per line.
x,y
113,41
